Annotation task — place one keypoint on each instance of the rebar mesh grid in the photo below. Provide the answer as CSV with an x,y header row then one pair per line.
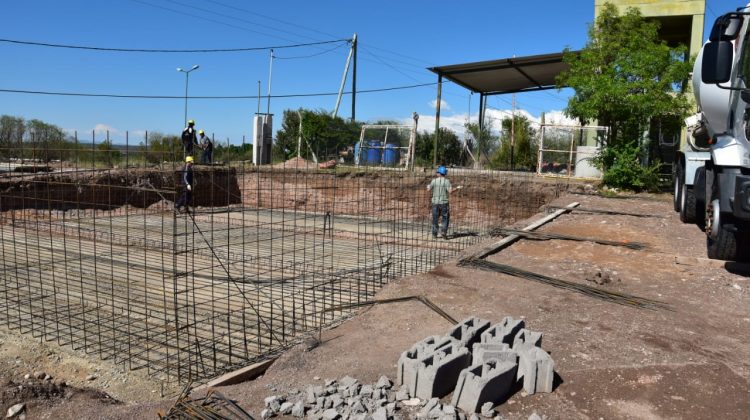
x,y
94,257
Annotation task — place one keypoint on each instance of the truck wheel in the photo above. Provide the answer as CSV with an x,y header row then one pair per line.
x,y
688,204
721,240
678,180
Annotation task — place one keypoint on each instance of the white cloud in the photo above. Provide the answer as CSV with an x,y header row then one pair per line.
x,y
104,128
443,105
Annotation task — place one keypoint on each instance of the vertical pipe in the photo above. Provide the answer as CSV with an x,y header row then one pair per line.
x,y
513,135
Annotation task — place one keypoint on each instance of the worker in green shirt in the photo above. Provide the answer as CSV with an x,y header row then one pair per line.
x,y
441,189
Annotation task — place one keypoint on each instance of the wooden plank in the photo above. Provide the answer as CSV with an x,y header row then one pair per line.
x,y
506,241
240,375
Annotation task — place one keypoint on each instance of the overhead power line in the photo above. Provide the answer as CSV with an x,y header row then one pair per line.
x,y
296,95
145,50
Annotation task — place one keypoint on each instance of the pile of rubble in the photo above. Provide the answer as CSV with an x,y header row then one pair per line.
x,y
479,363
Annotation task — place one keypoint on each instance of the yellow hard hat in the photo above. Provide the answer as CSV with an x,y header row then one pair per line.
x,y
201,132
191,122
189,159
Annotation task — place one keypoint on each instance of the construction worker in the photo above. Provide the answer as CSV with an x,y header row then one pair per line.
x,y
208,148
187,187
441,189
188,138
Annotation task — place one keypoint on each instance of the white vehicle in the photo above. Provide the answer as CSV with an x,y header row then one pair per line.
x,y
722,90
688,159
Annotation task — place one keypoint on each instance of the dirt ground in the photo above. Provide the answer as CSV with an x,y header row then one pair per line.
x,y
613,361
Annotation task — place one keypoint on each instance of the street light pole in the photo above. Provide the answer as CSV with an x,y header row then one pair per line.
x,y
187,77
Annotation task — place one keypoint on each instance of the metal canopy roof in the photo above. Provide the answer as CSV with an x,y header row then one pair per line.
x,y
507,75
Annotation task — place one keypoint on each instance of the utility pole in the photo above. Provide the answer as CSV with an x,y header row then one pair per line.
x,y
354,79
270,73
343,77
437,120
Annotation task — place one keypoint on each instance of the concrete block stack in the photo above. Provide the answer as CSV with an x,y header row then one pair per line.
x,y
479,363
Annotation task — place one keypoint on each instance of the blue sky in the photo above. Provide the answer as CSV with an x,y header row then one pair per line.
x,y
397,40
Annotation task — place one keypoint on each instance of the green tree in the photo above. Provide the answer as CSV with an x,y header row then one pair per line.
x,y
450,149
524,144
482,144
160,148
106,153
624,77
47,141
323,133
12,130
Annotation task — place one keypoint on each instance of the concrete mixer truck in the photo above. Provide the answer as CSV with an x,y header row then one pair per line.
x,y
721,82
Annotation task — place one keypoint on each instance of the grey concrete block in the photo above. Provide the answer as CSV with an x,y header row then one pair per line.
x,y
437,372
483,352
409,360
537,369
468,331
504,332
525,339
489,382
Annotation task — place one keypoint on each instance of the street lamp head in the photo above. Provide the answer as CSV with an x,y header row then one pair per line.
x,y
180,69
195,67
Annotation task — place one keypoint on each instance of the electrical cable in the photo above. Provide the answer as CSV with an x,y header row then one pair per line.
x,y
298,95
143,50
310,55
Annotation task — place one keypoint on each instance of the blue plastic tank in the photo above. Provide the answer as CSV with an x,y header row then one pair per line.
x,y
374,152
390,155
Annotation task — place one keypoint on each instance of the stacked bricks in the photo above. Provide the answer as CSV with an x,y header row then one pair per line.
x,y
481,362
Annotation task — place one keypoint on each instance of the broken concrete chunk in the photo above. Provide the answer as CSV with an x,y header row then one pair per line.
x,y
488,410
348,381
15,410
380,414
298,410
366,391
331,414
384,383
286,408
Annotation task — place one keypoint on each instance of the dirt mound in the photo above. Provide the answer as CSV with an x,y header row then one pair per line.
x,y
295,163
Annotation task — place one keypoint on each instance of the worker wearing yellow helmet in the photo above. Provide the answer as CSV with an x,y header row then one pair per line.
x,y
188,138
208,148
186,181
